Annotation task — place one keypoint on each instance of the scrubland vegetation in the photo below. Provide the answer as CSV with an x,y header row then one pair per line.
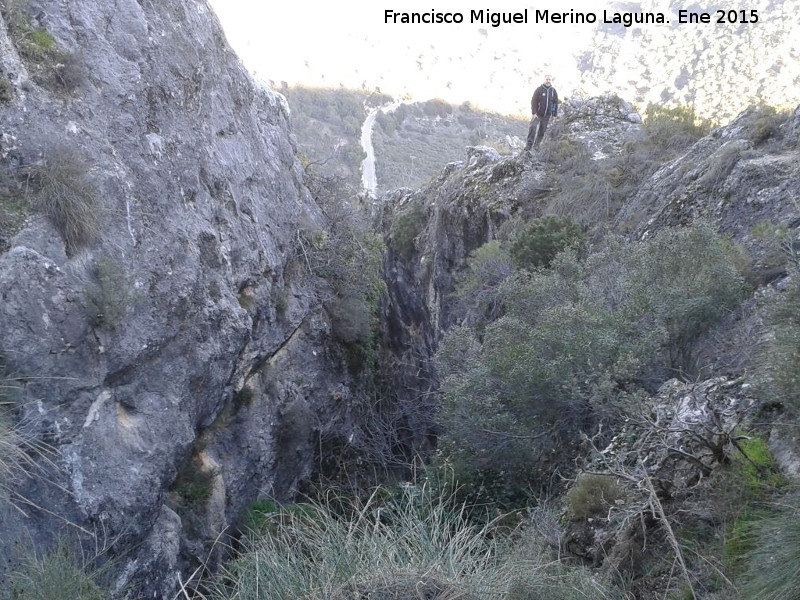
x,y
565,334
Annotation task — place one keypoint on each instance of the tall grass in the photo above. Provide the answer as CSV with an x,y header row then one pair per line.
x,y
415,545
62,574
773,565
410,547
20,454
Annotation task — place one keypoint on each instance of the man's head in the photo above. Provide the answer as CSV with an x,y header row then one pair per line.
x,y
548,80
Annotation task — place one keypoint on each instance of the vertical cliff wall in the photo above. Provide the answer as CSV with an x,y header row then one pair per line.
x,y
163,341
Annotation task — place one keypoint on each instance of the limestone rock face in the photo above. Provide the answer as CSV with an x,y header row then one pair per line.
x,y
168,346
741,177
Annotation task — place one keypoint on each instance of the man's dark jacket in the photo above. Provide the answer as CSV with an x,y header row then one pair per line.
x,y
544,101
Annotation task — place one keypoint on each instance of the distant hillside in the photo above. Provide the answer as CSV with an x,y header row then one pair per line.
x,y
327,124
414,142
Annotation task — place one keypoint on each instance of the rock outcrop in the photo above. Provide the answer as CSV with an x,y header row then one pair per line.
x,y
173,356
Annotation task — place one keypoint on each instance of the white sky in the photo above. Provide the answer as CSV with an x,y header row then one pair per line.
x,y
330,43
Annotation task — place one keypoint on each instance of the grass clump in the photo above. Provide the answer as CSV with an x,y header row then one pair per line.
x,y
67,196
413,546
58,575
773,562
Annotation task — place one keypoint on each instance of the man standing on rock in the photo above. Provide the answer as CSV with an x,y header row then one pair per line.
x,y
544,104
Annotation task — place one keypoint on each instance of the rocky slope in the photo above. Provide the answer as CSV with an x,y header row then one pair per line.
x,y
168,352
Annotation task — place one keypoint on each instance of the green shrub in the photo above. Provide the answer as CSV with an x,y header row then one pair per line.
x,y
478,287
766,125
67,196
593,495
542,240
59,575
406,226
348,255
193,484
573,340
674,129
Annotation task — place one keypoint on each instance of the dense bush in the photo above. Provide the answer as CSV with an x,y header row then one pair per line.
x,y
674,129
571,341
478,287
542,240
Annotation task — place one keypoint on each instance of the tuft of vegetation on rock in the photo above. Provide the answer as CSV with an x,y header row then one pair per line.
x,y
67,196
49,65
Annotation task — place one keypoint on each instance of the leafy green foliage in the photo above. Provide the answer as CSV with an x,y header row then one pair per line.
x,y
478,286
542,240
571,342
193,485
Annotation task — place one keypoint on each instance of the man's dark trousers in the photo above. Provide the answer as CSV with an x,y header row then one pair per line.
x,y
534,136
